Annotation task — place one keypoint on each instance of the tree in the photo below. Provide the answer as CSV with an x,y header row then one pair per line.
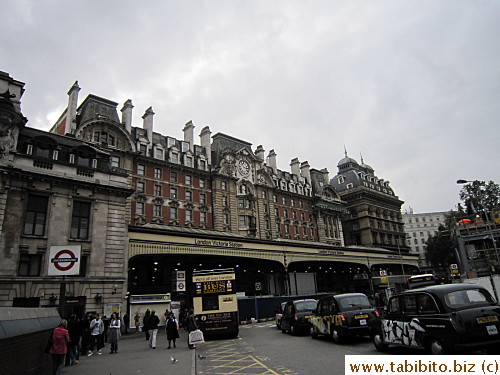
x,y
440,248
480,197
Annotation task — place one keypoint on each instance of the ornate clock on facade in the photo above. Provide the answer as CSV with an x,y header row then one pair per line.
x,y
244,167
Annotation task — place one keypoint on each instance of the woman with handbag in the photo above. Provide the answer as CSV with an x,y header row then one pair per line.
x,y
59,347
172,329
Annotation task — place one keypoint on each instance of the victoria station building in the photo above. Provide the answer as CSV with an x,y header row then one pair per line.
x,y
145,210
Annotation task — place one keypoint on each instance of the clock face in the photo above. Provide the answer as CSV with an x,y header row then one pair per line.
x,y
244,167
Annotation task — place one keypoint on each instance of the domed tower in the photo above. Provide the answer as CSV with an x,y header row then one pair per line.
x,y
374,217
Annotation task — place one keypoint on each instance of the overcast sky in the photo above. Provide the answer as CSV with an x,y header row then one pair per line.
x,y
413,86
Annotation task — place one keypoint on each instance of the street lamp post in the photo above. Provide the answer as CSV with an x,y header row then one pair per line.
x,y
476,184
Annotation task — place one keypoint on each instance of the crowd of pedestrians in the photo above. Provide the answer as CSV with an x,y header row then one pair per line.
x,y
88,335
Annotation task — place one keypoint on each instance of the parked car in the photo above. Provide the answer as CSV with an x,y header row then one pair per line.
x,y
343,315
279,314
441,319
296,316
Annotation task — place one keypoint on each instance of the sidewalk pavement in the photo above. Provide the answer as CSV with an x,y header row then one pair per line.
x,y
136,357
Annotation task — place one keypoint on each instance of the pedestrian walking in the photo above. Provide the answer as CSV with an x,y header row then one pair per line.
x,y
96,331
59,347
172,329
145,324
126,323
183,318
191,325
104,336
114,332
137,323
85,330
74,331
153,322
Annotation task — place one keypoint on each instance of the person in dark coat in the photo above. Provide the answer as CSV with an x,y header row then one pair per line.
x,y
126,323
74,331
191,325
85,332
145,323
59,348
172,329
153,322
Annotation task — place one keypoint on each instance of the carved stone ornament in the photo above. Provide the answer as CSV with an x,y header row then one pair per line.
x,y
10,123
228,165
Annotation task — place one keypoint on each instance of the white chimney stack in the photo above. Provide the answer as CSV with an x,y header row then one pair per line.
x,y
205,137
271,161
295,167
326,176
148,124
72,104
189,134
305,171
259,152
127,115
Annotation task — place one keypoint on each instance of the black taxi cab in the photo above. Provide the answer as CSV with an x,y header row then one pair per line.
x,y
441,319
342,315
296,316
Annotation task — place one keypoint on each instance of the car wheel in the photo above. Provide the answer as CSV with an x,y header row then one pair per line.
x,y
435,346
282,329
337,337
314,333
293,330
379,343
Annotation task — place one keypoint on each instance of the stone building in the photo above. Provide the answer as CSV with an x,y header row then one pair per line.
x,y
57,190
374,217
143,205
418,228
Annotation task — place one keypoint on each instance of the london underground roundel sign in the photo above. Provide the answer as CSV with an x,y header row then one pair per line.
x,y
64,260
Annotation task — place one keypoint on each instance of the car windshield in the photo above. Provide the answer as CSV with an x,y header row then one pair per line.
x,y
468,298
305,306
354,303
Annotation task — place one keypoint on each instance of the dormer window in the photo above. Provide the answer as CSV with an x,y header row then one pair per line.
x,y
170,142
189,161
55,155
143,149
72,158
341,180
159,153
29,150
203,165
94,163
174,157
